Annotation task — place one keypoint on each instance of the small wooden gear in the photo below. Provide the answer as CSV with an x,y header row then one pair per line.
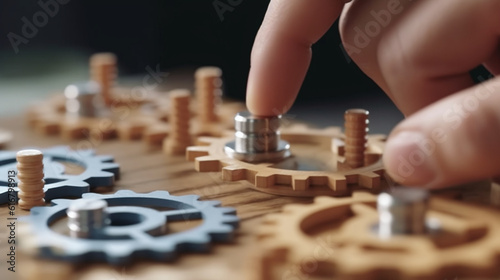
x,y
130,119
334,238
49,118
313,149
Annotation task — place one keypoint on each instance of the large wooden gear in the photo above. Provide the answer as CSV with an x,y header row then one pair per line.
x,y
334,238
313,149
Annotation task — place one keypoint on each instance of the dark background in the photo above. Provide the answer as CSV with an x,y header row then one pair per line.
x,y
176,33
179,33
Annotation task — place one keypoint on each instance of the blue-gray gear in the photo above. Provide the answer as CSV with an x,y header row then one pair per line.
x,y
120,241
100,171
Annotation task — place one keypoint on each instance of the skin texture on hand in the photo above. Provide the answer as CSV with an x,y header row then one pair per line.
x,y
282,52
420,53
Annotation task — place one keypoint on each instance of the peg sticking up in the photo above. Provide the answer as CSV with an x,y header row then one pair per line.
x,y
103,70
356,128
30,175
179,138
208,92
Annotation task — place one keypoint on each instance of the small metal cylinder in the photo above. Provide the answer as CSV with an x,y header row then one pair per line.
x,y
87,218
257,139
81,99
256,134
403,211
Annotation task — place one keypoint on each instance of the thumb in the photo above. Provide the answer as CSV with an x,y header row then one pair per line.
x,y
453,141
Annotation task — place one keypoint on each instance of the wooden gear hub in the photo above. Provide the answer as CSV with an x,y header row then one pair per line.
x,y
334,238
293,176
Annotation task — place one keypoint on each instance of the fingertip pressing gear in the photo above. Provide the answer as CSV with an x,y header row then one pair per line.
x,y
98,171
137,228
334,238
316,167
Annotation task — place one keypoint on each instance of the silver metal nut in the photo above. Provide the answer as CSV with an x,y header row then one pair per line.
x,y
403,211
257,139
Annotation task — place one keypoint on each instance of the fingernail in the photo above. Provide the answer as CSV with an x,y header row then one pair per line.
x,y
408,158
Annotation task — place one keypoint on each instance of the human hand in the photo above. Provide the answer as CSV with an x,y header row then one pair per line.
x,y
420,53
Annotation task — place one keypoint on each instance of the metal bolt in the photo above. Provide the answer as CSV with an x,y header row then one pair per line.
x,y
257,139
87,218
403,211
81,99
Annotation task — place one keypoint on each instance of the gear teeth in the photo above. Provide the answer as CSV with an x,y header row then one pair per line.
x,y
163,194
193,199
196,151
118,254
205,141
59,202
337,183
369,180
100,176
266,178
227,210
211,203
111,167
125,193
105,158
233,173
90,195
301,182
201,239
233,221
207,164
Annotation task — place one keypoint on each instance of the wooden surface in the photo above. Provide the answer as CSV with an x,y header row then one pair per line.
x,y
146,170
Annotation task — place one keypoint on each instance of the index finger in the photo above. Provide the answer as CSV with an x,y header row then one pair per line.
x,y
282,52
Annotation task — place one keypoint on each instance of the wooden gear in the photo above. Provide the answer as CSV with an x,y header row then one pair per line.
x,y
283,178
333,238
131,119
